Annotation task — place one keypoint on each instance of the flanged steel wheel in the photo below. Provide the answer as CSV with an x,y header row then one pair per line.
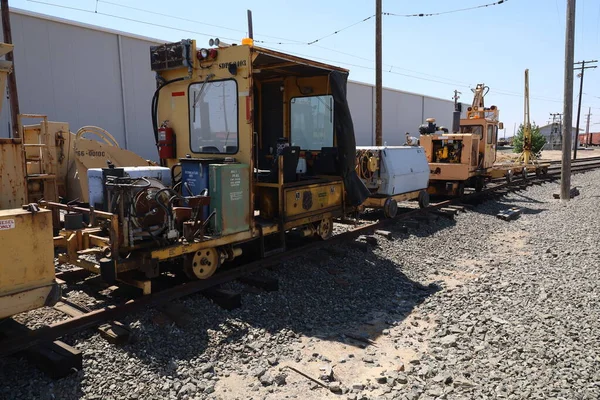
x,y
524,174
423,199
390,207
509,176
479,184
202,264
325,228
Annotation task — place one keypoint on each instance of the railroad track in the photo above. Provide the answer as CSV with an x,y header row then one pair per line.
x,y
23,340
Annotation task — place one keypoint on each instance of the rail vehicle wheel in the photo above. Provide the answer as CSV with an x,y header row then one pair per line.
x,y
423,199
544,171
524,174
202,264
479,184
460,191
509,176
325,228
390,208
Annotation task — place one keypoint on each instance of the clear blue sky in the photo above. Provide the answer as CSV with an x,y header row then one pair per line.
x,y
492,45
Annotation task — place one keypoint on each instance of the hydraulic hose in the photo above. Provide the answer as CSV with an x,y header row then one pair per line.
x,y
155,106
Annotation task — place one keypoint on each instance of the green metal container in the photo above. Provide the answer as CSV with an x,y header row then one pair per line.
x,y
229,198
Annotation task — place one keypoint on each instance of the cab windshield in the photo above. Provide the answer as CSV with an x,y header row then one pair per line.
x,y
214,117
476,129
312,122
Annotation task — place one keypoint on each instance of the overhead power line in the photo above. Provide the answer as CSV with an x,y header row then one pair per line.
x,y
340,30
429,78
125,18
191,20
447,12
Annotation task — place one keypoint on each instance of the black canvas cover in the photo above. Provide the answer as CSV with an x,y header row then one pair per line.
x,y
356,190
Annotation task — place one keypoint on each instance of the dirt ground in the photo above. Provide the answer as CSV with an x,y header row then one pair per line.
x,y
549,155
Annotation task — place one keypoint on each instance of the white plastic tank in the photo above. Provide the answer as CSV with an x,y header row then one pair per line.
x,y
403,169
96,192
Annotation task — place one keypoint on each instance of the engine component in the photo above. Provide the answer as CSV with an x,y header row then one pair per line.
x,y
96,179
171,56
149,211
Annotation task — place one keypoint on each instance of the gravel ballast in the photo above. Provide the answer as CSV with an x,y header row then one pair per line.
x,y
473,308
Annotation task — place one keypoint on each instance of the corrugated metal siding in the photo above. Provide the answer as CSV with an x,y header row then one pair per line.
x,y
360,101
139,89
439,109
73,73
402,112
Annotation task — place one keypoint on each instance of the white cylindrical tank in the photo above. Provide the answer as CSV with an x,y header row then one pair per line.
x,y
403,169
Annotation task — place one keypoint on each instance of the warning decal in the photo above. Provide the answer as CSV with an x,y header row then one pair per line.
x,y
6,224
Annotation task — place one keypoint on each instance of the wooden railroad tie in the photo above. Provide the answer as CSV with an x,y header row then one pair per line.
x,y
460,208
224,298
113,331
265,283
56,359
386,234
510,214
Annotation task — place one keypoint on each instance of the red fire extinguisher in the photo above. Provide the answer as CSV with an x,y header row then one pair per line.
x,y
166,141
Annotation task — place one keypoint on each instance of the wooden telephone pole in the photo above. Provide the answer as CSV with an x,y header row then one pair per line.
x,y
12,78
565,174
583,68
378,75
587,128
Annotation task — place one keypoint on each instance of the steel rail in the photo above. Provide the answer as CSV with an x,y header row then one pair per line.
x,y
12,345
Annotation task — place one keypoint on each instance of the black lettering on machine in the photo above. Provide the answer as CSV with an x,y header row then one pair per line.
x,y
240,63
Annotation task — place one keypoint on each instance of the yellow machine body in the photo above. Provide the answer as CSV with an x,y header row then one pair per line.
x,y
27,262
228,114
464,158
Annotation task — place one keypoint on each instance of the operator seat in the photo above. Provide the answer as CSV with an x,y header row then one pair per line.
x,y
326,162
291,155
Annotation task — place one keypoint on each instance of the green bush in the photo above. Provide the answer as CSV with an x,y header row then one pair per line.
x,y
538,140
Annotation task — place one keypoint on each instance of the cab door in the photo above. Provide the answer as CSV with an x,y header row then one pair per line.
x,y
490,146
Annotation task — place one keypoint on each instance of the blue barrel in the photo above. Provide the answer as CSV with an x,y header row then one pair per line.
x,y
194,178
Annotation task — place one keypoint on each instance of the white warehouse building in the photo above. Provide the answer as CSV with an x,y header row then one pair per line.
x,y
88,75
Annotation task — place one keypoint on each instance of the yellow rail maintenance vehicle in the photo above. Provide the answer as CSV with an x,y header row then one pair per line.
x,y
253,144
27,279
465,157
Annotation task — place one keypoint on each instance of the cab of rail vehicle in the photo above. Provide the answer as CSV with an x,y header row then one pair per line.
x,y
267,136
253,144
464,157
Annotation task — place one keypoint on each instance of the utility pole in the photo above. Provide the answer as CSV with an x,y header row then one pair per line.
x,y
555,131
583,68
12,78
455,98
456,113
588,135
378,75
565,174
